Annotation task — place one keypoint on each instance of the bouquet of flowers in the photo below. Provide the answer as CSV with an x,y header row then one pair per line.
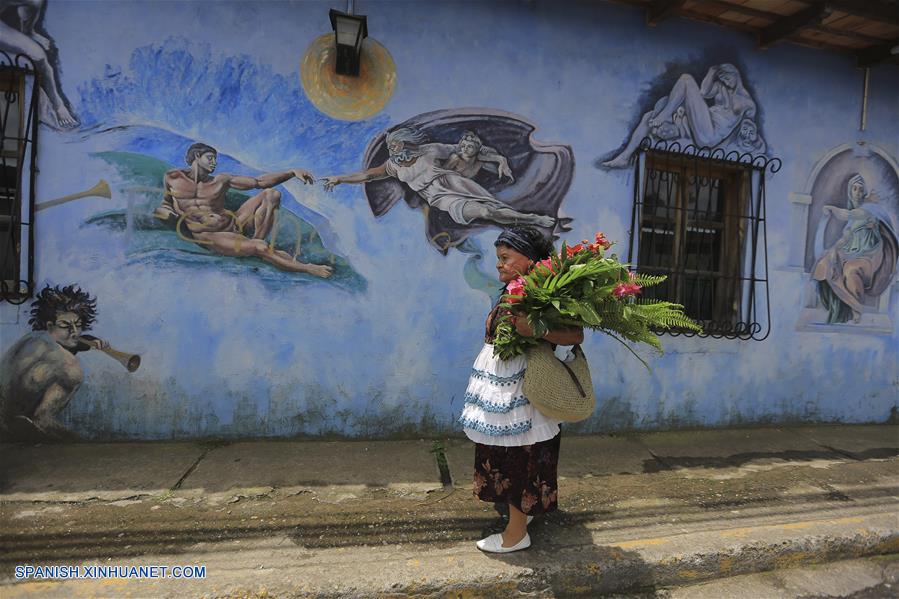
x,y
582,287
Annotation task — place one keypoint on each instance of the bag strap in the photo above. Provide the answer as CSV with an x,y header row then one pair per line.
x,y
577,383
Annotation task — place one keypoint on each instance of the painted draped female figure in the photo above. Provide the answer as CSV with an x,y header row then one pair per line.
x,y
861,263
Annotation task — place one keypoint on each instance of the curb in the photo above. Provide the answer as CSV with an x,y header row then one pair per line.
x,y
593,566
651,563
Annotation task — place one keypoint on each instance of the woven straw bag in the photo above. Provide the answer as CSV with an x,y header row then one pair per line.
x,y
559,390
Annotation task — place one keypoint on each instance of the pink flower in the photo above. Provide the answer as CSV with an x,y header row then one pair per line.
x,y
515,288
548,264
625,289
500,483
528,500
548,496
479,482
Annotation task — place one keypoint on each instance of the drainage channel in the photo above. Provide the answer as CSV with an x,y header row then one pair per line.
x,y
196,463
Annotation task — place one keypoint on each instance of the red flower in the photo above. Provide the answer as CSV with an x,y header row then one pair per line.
x,y
574,249
601,240
625,289
515,288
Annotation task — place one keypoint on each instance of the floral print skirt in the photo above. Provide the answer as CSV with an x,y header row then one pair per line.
x,y
524,476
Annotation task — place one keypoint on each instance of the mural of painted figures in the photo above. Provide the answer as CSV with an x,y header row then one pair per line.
x,y
19,24
860,264
195,198
719,112
39,374
467,169
423,167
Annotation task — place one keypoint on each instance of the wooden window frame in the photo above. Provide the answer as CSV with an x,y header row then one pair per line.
x,y
719,301
18,92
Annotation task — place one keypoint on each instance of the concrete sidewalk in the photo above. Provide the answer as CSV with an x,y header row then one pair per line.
x,y
638,512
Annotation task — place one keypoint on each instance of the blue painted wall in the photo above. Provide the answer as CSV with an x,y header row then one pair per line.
x,y
231,349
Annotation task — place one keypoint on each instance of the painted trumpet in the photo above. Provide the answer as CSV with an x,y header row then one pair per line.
x,y
130,361
100,190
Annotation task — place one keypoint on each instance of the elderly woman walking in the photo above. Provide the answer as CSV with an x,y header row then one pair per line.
x,y
516,447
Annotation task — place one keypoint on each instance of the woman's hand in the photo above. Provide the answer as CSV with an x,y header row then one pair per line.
x,y
573,336
522,326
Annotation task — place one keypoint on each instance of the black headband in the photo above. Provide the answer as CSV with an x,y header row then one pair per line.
x,y
520,244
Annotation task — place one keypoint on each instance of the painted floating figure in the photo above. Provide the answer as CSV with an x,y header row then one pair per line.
x,y
717,112
39,374
861,263
440,162
19,35
195,198
419,165
471,156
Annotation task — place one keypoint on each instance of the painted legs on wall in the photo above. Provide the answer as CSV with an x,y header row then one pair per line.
x,y
237,245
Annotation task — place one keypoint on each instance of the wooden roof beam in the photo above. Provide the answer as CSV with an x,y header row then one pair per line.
x,y
773,16
740,8
659,10
787,26
875,10
873,55
848,34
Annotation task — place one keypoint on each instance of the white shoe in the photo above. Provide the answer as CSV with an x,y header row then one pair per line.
x,y
494,544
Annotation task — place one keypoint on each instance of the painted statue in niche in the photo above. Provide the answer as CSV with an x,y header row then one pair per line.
x,y
195,198
20,21
466,169
39,374
859,265
719,112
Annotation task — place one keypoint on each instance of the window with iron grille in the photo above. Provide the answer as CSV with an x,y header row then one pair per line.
x,y
18,123
699,219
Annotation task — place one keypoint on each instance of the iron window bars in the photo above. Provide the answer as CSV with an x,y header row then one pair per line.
x,y
699,217
19,93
